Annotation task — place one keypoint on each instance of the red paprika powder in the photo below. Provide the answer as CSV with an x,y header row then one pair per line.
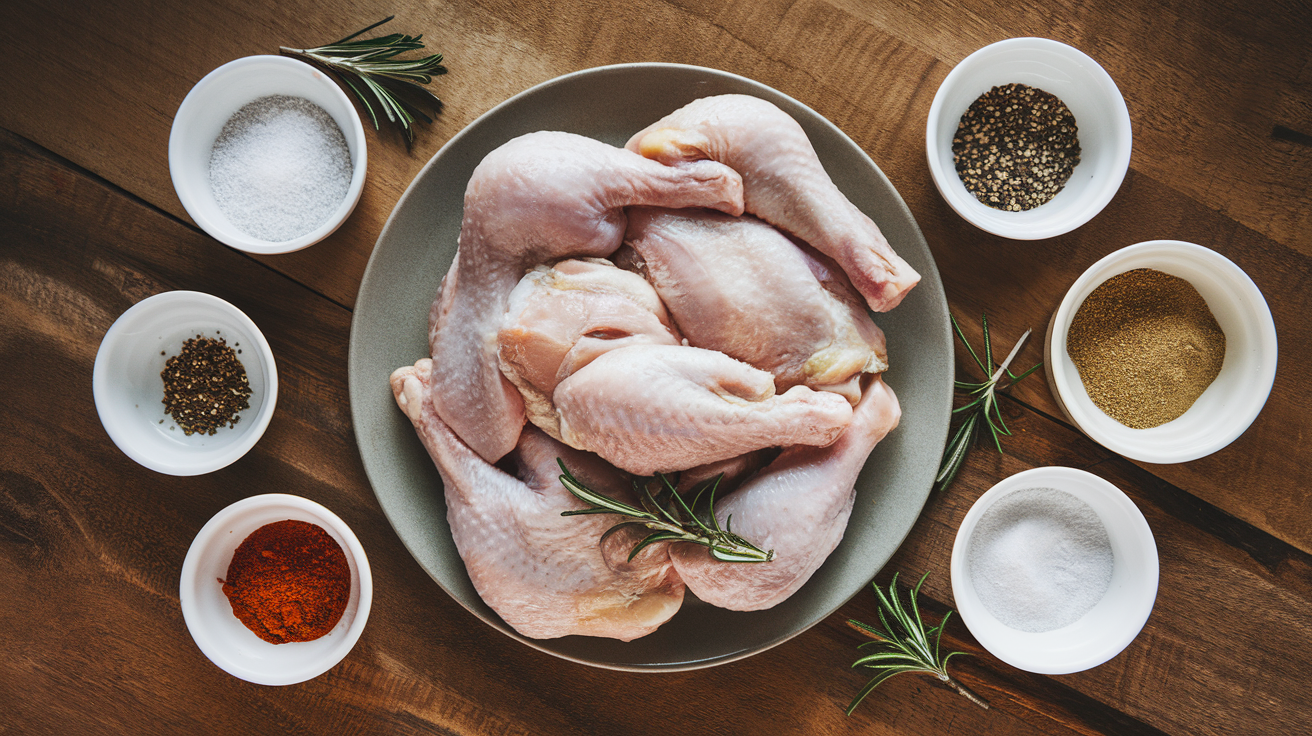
x,y
288,581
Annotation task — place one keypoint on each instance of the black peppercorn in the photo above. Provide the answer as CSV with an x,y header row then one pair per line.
x,y
1016,147
205,386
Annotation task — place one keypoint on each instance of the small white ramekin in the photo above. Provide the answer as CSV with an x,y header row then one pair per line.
x,y
1230,403
1106,629
1086,89
213,101
129,391
218,632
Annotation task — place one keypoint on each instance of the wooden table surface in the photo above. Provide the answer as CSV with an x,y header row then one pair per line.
x,y
91,544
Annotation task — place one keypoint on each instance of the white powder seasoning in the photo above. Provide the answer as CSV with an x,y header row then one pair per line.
x,y
1039,559
280,168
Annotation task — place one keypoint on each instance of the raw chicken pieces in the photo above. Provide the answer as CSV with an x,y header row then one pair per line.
x,y
784,184
562,317
797,506
660,408
539,197
541,572
739,286
723,343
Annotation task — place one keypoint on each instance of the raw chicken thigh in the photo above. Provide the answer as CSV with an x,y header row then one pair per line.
x,y
783,183
797,506
543,573
539,197
660,408
562,317
739,286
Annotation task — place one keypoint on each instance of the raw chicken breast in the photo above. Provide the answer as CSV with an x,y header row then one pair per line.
x,y
562,317
543,573
538,198
660,408
797,506
739,286
784,184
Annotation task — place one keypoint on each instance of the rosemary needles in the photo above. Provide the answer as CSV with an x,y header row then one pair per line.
x,y
369,68
905,645
982,410
670,518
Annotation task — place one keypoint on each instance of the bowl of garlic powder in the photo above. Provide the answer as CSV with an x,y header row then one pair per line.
x,y
1163,351
267,154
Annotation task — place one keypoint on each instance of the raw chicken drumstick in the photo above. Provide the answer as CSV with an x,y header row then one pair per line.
x,y
797,506
537,198
543,573
739,286
784,184
660,408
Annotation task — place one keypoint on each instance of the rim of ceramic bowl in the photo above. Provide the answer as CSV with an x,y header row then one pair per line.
x,y
1043,652
180,142
1074,401
1036,223
105,389
222,638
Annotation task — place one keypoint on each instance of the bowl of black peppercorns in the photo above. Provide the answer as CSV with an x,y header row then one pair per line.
x,y
1028,138
184,383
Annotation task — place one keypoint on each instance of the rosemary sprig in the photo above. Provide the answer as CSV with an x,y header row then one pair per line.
x,y
983,409
670,518
904,645
369,65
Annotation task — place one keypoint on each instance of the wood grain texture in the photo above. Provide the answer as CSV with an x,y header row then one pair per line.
x,y
91,544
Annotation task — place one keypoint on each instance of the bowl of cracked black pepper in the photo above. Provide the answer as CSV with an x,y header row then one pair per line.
x,y
1163,352
184,383
1028,138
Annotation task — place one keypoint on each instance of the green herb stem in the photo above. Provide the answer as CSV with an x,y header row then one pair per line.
x,y
904,645
983,410
670,518
368,68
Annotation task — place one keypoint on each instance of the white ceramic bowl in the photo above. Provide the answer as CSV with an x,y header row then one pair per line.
x,y
1230,403
213,101
1111,624
223,637
1089,93
129,392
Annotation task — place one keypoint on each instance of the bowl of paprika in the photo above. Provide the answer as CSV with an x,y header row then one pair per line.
x,y
275,589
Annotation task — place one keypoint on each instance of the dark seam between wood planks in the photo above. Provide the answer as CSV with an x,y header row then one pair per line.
x,y
37,149
1281,133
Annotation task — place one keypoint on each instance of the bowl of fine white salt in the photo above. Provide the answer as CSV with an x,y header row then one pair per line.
x,y
267,154
1054,570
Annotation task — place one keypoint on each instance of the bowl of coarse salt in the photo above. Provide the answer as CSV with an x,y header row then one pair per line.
x,y
267,154
1054,570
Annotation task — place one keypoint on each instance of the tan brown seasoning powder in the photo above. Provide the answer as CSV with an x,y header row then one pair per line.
x,y
1146,347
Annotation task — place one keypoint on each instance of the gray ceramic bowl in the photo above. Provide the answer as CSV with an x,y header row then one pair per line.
x,y
390,329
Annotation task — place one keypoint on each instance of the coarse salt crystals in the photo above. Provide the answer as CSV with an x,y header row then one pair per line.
x,y
1040,559
280,168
